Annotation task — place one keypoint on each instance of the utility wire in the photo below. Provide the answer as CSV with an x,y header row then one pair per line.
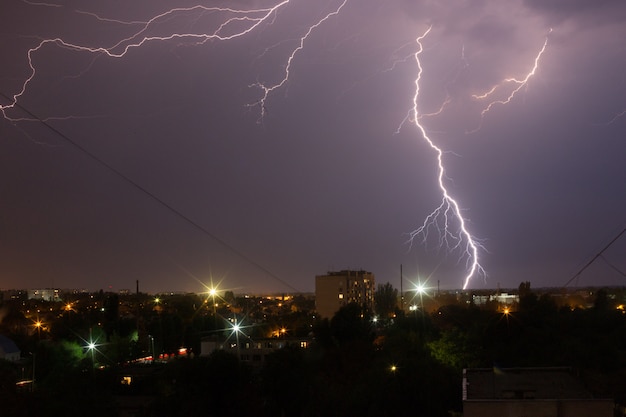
x,y
153,196
616,269
598,255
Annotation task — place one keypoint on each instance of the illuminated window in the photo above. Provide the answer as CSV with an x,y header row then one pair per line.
x,y
341,296
126,380
303,344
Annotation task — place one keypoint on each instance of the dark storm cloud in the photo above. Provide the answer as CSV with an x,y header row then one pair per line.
x,y
559,10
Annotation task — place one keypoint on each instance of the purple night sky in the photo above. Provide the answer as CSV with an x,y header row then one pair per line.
x,y
332,172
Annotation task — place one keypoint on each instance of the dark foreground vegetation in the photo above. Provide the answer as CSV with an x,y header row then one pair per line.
x,y
407,365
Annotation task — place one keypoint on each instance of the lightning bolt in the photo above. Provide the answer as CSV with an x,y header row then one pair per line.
x,y
236,23
446,218
616,117
232,24
32,3
268,89
517,82
448,211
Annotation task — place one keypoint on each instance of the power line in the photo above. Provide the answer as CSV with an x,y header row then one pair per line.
x,y
598,255
616,269
153,196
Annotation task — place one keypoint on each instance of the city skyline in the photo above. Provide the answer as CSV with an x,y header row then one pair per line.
x,y
186,161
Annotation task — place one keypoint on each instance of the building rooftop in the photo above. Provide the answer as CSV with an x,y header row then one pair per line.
x,y
522,383
7,346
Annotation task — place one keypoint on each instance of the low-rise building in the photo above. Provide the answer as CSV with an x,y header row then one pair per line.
x,y
529,392
251,351
9,350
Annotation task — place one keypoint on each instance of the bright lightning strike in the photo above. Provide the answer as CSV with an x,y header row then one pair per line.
x,y
518,83
446,219
254,18
448,211
236,23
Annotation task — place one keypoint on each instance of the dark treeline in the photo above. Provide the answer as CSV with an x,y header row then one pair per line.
x,y
400,365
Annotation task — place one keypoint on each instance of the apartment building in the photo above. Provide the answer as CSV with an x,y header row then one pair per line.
x,y
337,289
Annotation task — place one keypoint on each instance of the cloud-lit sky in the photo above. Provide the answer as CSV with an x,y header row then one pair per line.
x,y
332,172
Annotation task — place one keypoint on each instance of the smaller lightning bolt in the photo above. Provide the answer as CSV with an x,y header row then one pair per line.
x,y
440,110
449,210
253,18
32,3
459,70
518,83
106,19
228,29
617,116
267,89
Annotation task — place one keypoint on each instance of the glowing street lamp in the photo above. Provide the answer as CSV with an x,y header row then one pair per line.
x,y
506,313
213,293
91,346
236,330
38,324
420,290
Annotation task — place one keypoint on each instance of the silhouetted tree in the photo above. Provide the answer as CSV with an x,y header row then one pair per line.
x,y
456,349
351,322
524,288
385,300
286,381
229,297
11,403
602,302
217,385
528,301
